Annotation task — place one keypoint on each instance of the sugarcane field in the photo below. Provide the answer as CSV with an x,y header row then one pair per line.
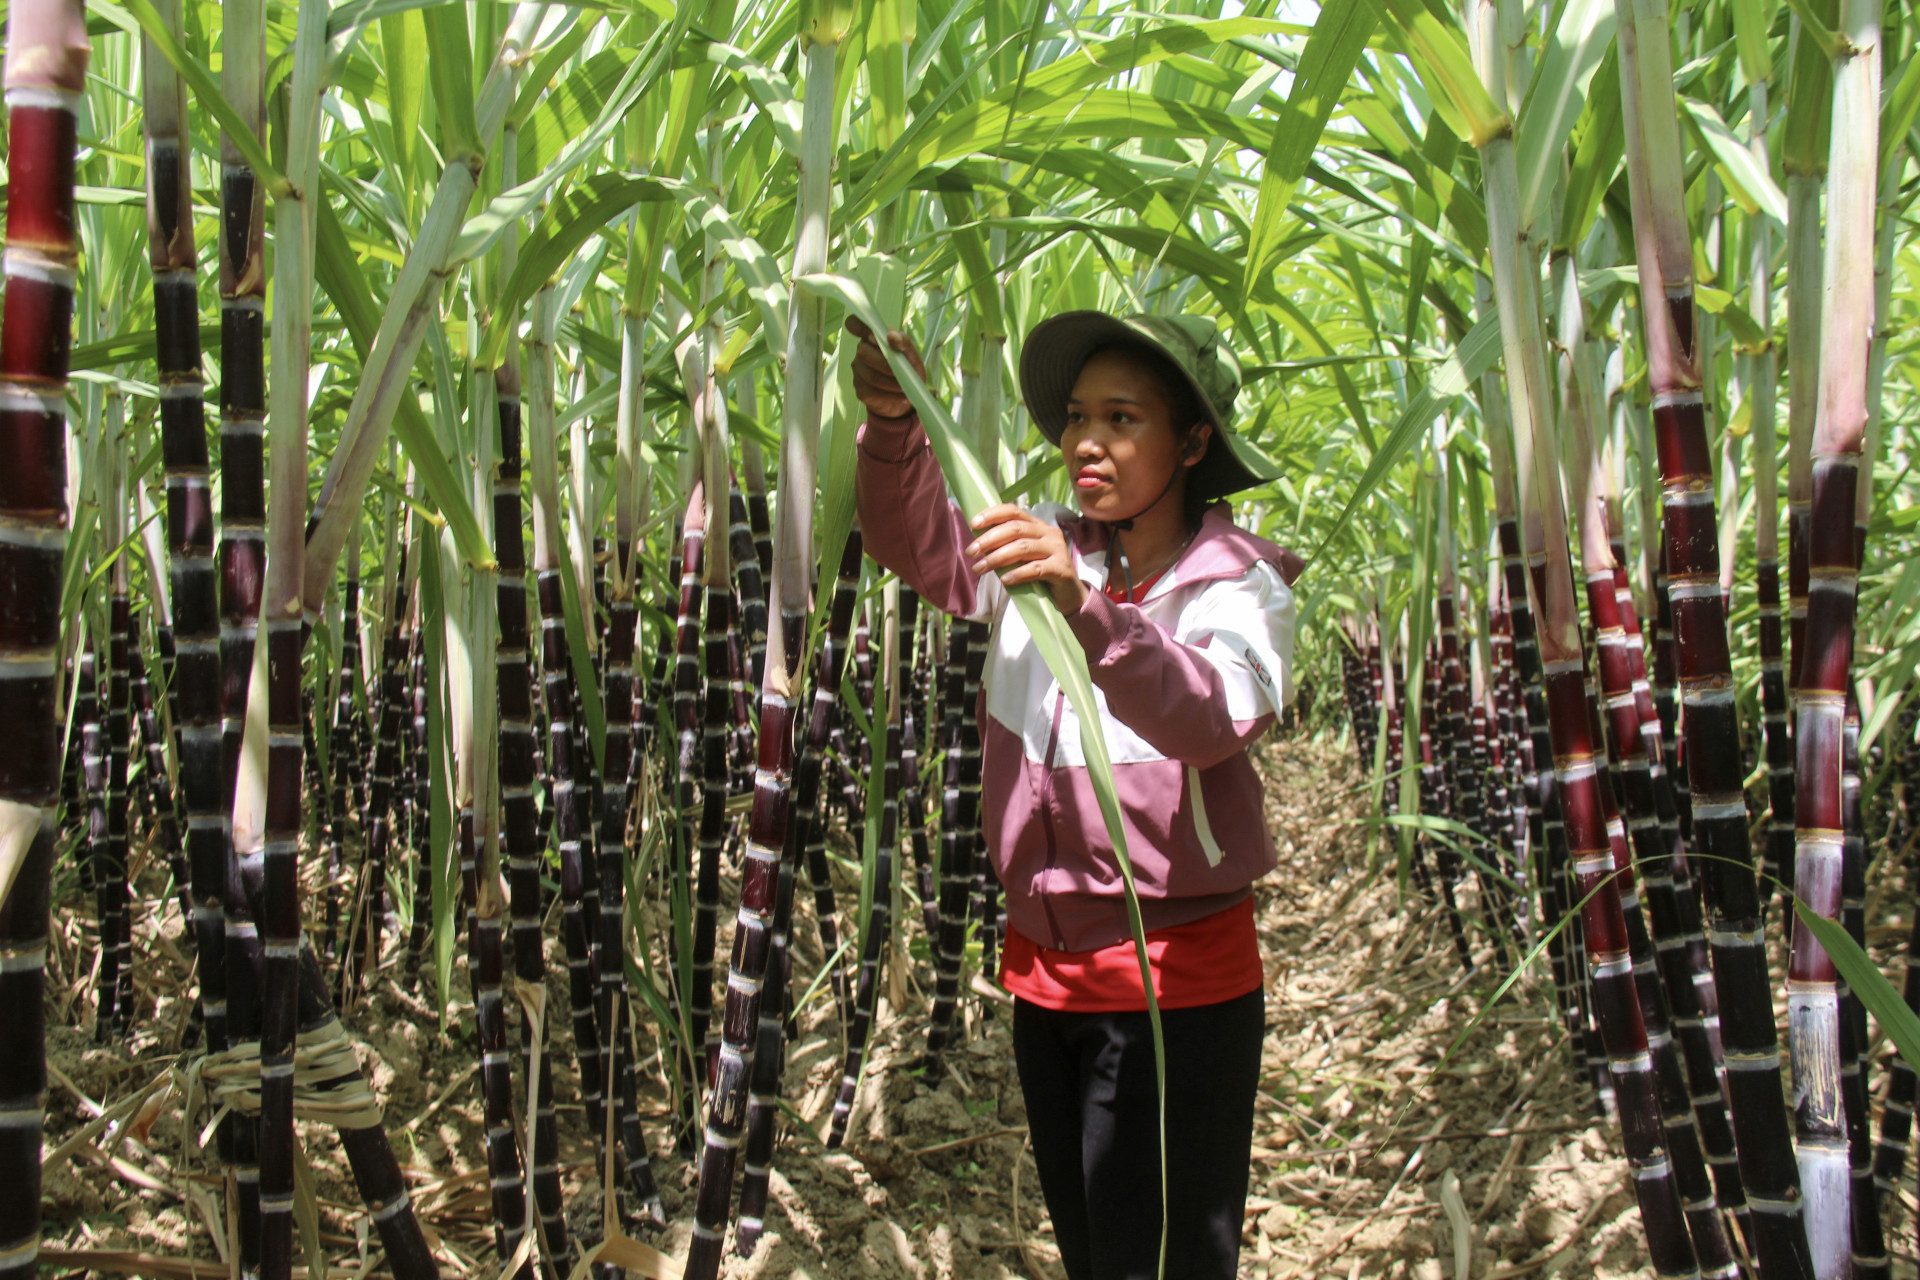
x,y
960,639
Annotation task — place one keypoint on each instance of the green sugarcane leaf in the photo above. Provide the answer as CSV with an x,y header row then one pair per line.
x,y
1863,976
1748,179
403,45
1803,147
974,489
1339,38
450,77
1556,95
983,284
1596,157
1439,52
1476,354
1897,116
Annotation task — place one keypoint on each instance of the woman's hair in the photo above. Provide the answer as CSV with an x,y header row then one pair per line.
x,y
1185,411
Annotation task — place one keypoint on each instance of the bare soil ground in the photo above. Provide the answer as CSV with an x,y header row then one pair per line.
x,y
1376,1153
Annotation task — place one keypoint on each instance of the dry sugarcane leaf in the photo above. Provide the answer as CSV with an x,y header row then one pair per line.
x,y
306,1212
19,823
629,1254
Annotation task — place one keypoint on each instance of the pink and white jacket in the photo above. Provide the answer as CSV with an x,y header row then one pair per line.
x,y
1186,681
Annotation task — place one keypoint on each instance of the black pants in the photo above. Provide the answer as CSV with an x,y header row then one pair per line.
x,y
1089,1083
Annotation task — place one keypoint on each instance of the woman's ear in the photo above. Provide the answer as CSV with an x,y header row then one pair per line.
x,y
1198,438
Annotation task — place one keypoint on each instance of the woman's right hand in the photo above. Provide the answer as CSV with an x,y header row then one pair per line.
x,y
873,379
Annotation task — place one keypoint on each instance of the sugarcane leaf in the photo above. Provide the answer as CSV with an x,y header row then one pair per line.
x,y
450,79
403,40
1814,24
1866,981
1596,156
1475,354
1556,95
1339,37
1439,52
1897,116
586,681
485,228
1749,180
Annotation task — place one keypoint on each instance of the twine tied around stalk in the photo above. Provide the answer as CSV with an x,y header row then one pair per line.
x,y
327,1083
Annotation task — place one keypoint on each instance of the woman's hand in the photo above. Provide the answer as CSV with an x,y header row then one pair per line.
x,y
873,379
1022,548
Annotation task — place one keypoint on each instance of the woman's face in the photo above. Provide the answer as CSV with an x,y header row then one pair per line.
x,y
1120,442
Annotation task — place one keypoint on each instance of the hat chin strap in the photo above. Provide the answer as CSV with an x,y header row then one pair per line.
x,y
1126,526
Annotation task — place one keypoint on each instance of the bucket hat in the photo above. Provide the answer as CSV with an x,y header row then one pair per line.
x,y
1055,350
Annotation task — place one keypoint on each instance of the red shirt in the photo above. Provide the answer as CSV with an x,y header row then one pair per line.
x,y
1204,961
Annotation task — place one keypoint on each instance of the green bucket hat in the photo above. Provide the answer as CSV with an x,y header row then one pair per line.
x,y
1051,359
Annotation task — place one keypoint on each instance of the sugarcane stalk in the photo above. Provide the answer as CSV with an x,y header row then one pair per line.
x,y
159,779
779,819
874,939
1814,997
1543,519
1674,1003
1702,666
1546,832
116,974
686,718
549,562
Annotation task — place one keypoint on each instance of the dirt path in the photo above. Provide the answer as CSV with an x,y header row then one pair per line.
x,y
1371,1157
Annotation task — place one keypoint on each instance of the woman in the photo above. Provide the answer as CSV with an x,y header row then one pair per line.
x,y
1187,623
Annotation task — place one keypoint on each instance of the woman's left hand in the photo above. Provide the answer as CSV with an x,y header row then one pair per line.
x,y
1022,548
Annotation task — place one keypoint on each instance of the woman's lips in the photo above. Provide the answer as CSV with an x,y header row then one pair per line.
x,y
1088,478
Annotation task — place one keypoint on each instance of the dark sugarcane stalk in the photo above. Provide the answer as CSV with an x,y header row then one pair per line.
x,y
749,579
370,916
986,889
242,546
1896,1120
1816,1000
46,69
420,812
686,719
956,855
194,687
160,789
1542,512
529,962
809,773
1434,800
345,742
113,875
519,838
1689,1167
568,822
268,805
89,713
1698,1133
715,775
875,941
1870,1261
579,920
913,806
1806,146
1782,1217
805,842
1545,832
612,1004
781,809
